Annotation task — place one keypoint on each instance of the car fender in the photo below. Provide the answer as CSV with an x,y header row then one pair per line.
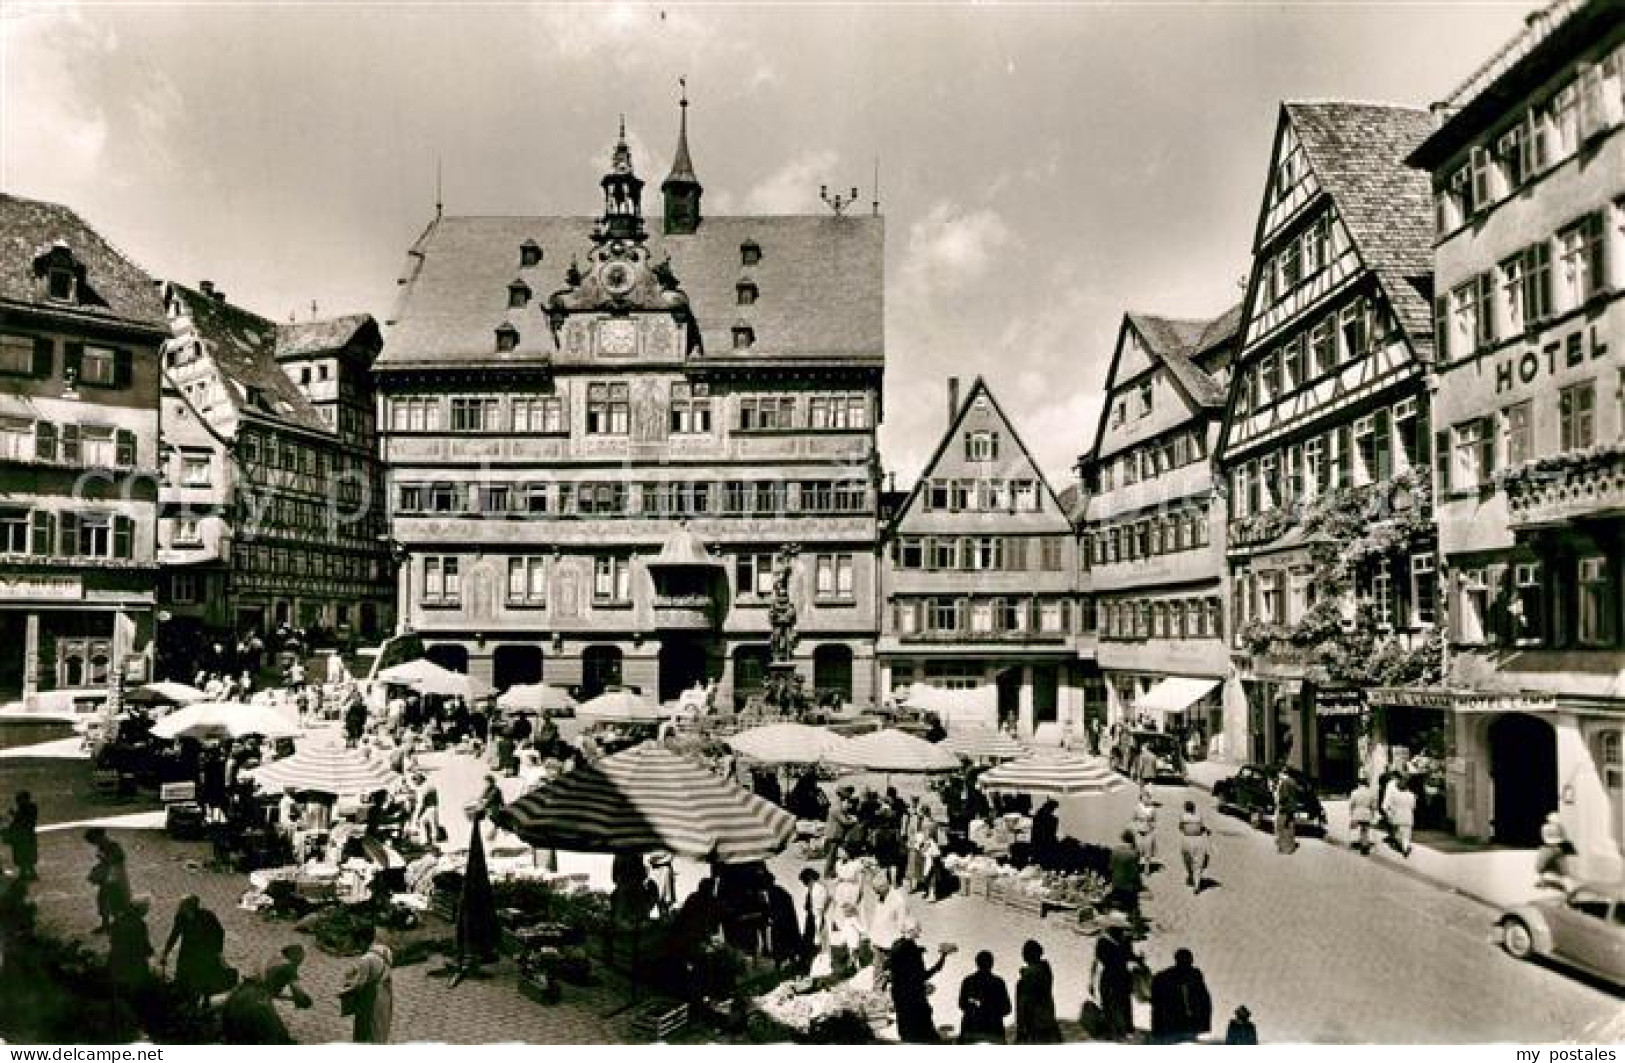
x,y
1539,930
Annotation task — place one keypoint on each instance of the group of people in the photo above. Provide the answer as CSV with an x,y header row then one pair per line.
x,y
1390,805
903,837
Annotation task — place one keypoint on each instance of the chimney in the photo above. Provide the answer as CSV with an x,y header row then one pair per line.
x,y
219,296
953,398
206,287
891,482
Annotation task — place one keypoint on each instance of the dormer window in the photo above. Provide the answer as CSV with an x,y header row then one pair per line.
x,y
518,295
61,284
507,338
744,337
750,253
747,292
530,253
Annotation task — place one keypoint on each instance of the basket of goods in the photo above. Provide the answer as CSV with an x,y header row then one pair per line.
x,y
537,981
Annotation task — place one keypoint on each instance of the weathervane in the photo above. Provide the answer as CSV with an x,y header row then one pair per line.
x,y
838,203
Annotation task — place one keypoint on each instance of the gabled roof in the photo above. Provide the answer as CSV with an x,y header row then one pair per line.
x,y
1357,152
1177,344
978,387
114,288
304,338
243,347
820,282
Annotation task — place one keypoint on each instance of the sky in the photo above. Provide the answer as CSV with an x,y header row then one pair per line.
x,y
1043,168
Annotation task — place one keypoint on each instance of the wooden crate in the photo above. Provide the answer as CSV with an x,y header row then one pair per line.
x,y
659,1019
1022,901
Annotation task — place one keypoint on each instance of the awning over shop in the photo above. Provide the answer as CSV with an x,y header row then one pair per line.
x,y
1175,694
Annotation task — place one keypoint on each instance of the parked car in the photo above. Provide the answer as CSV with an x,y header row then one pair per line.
x,y
1583,928
1250,792
1170,757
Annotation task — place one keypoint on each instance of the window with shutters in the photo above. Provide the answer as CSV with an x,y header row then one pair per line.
x,y
1475,453
1381,595
1481,165
1512,156
97,448
1582,264
124,449
98,366
981,446
1524,620
1576,416
1518,426
942,614
1527,286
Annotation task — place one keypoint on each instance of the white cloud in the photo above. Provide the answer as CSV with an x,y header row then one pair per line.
x,y
52,134
793,187
948,248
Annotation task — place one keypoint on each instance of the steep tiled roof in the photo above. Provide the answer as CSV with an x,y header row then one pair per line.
x,y
819,280
1357,152
114,287
243,346
1176,343
299,339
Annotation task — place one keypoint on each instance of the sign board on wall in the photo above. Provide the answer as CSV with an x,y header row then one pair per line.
x,y
41,586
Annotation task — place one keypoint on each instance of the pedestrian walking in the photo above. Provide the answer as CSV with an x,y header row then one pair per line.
x,y
22,834
911,988
1035,999
1112,978
1195,847
200,966
426,809
886,922
249,1015
1145,765
984,1003
110,876
1401,812
1126,879
1286,813
1181,1008
369,993
1362,814
1145,830
846,929
836,826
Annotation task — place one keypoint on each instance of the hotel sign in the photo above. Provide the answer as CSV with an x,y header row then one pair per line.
x,y
1461,700
51,587
1572,349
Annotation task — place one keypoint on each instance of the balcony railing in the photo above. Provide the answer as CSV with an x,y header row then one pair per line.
x,y
1566,487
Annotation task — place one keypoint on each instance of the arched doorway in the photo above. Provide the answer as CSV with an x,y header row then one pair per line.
x,y
1523,765
514,665
832,673
750,671
449,655
600,670
683,663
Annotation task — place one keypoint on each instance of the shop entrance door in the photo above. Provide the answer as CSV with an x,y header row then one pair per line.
x,y
1523,765
1009,683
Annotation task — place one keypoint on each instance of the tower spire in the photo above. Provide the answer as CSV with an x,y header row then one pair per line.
x,y
681,188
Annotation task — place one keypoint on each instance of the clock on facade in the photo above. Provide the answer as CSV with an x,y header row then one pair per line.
x,y
618,278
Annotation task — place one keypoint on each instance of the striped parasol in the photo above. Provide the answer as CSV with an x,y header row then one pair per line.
x,y
786,743
650,799
983,743
1052,774
892,751
165,692
426,677
326,769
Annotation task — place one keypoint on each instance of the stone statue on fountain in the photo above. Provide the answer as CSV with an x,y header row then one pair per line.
x,y
782,686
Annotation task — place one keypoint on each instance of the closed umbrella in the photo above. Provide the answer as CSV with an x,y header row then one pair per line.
x,y
649,799
537,697
983,743
477,931
891,751
621,706
225,719
1059,775
326,769
786,743
165,692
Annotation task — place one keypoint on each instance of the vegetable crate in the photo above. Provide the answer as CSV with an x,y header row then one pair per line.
x,y
1022,901
976,885
659,1019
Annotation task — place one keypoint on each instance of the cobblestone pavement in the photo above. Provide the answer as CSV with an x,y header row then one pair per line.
x,y
1322,946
